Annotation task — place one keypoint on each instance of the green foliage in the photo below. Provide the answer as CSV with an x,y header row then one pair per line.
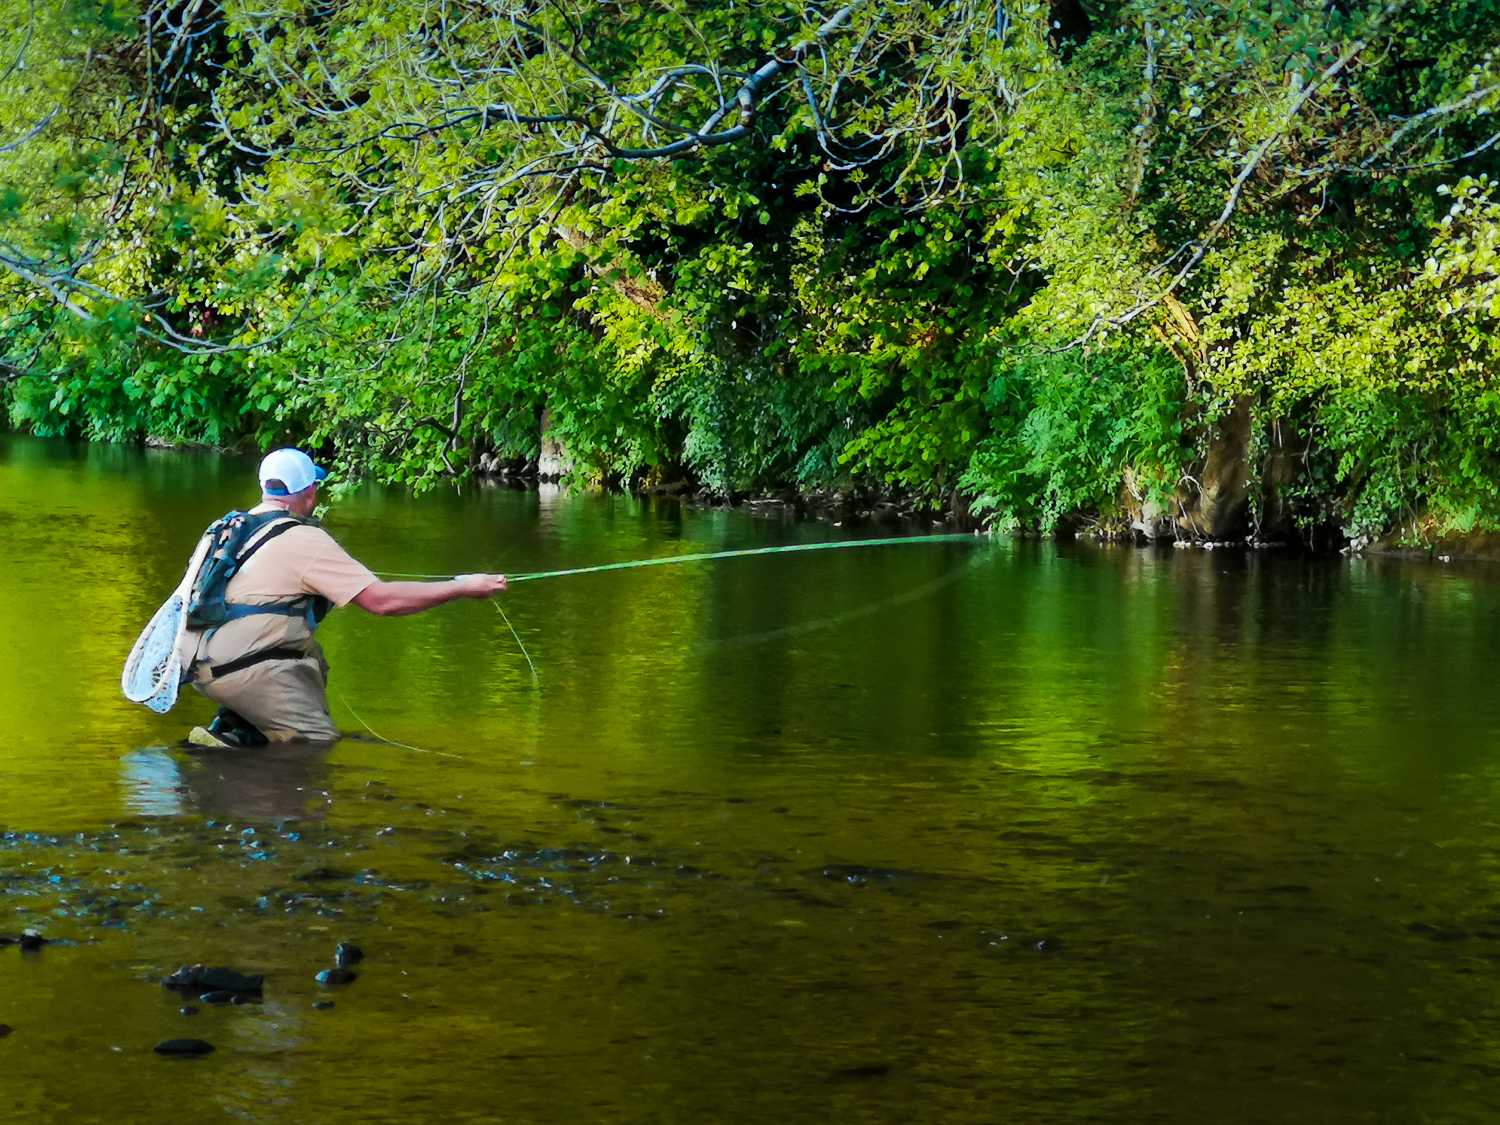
x,y
936,255
1079,424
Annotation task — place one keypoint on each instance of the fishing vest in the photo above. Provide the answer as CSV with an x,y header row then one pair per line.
x,y
233,540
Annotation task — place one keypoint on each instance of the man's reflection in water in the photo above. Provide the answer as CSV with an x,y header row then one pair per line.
x,y
281,781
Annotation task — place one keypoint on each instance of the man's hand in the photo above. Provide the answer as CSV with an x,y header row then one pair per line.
x,y
481,585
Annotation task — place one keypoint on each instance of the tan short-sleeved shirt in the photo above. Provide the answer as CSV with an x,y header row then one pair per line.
x,y
301,560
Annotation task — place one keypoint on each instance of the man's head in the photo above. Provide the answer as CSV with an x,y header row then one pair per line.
x,y
289,479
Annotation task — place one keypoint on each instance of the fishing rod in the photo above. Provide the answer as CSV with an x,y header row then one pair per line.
x,y
709,556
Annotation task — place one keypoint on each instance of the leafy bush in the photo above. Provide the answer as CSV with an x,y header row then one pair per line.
x,y
1067,427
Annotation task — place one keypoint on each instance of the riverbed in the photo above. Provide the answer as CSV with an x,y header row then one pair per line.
x,y
946,832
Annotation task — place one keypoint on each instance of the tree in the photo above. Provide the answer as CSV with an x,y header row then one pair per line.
x,y
1069,256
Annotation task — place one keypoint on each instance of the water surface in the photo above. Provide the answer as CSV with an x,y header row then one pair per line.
x,y
943,833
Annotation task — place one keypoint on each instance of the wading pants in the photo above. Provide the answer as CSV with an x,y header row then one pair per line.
x,y
286,700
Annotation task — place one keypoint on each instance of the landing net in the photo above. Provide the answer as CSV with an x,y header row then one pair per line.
x,y
153,669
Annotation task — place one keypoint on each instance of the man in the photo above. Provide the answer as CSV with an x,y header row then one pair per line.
x,y
262,665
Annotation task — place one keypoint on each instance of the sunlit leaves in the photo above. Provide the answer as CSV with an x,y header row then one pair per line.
x,y
938,257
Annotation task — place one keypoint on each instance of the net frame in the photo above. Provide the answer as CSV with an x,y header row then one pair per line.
x,y
153,671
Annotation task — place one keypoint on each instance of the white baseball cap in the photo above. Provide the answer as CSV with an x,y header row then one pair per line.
x,y
287,472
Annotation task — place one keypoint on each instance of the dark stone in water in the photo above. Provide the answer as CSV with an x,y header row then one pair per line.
x,y
879,1070
189,1010
322,875
240,999
1048,945
347,954
185,977
323,1005
227,980
335,976
5,1029
183,1048
859,873
30,940
220,997
1435,934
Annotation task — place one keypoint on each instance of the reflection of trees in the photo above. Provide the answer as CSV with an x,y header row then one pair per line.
x,y
92,538
1213,732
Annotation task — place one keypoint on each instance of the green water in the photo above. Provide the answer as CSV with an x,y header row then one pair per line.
x,y
944,833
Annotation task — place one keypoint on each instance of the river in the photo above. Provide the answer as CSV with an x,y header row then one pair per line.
x,y
950,833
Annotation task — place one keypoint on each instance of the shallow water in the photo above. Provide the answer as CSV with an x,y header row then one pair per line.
x,y
941,833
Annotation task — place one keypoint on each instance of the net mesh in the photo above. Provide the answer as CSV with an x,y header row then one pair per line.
x,y
151,671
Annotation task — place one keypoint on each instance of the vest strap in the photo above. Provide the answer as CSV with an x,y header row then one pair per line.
x,y
233,611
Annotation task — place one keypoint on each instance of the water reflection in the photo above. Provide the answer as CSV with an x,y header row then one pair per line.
x,y
282,782
152,784
1034,831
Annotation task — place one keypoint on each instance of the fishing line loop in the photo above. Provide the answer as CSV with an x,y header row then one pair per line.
x,y
536,682
382,738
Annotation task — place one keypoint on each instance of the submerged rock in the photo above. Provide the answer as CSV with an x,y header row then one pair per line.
x,y
183,1048
857,873
231,981
185,977
323,875
878,1070
5,1029
335,976
30,939
189,1010
323,1005
215,980
347,954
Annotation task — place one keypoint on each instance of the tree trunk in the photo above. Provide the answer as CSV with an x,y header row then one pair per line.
x,y
643,290
1216,507
553,463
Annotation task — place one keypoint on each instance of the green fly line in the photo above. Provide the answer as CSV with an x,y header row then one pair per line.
x,y
536,683
708,556
382,738
664,560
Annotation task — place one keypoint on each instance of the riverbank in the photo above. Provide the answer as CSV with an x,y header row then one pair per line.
x,y
887,507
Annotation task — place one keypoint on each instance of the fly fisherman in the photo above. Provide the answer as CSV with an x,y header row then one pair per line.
x,y
255,655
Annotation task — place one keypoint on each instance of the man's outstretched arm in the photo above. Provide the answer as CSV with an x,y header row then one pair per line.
x,y
398,599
